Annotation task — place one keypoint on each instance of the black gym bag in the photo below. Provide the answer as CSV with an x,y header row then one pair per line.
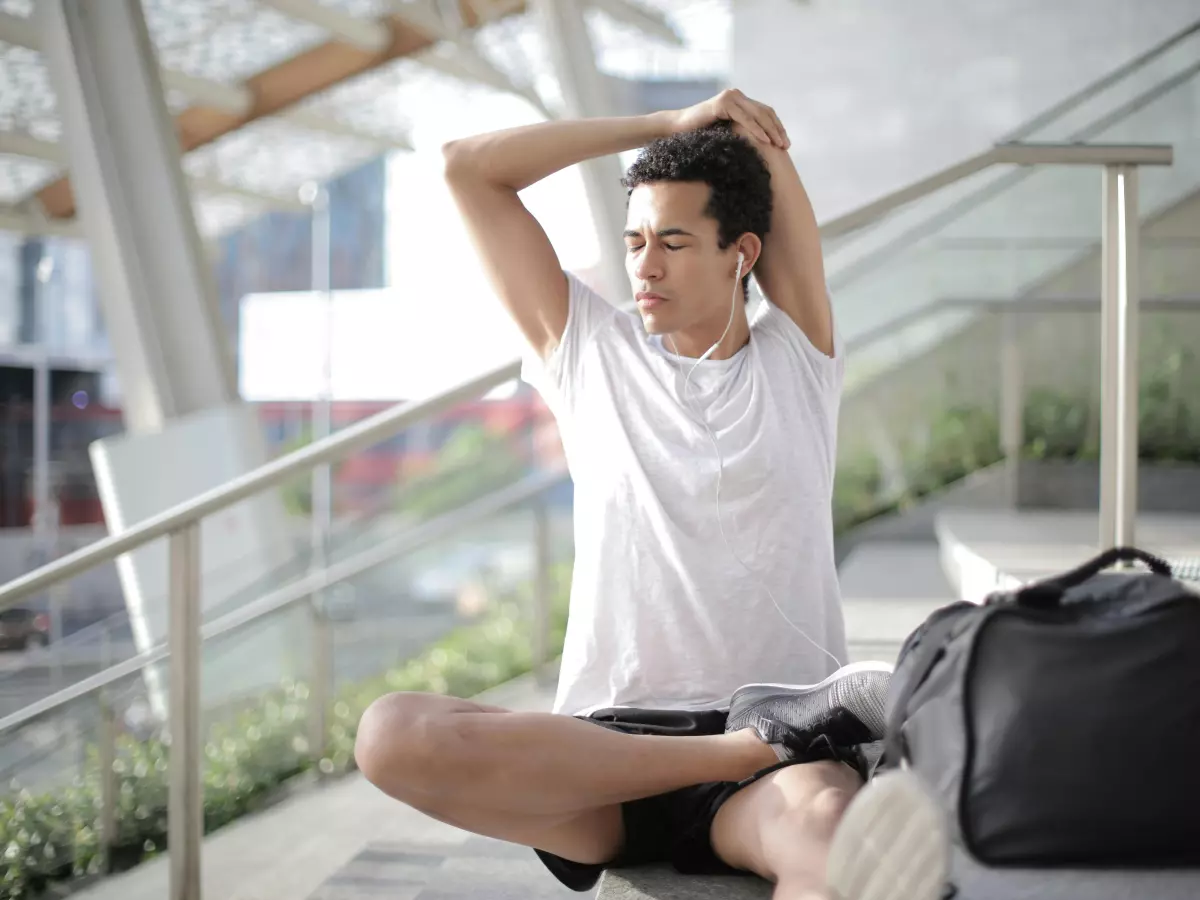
x,y
1059,724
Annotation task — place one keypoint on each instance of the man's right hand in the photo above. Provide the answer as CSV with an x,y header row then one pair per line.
x,y
758,119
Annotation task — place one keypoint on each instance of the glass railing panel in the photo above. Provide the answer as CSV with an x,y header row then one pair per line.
x,y
1090,121
936,416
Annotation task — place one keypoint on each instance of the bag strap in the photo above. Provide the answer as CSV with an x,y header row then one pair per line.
x,y
926,654
1050,591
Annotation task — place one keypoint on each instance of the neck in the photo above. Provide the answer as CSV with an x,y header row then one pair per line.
x,y
694,342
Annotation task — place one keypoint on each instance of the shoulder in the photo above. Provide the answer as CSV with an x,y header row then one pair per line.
x,y
781,335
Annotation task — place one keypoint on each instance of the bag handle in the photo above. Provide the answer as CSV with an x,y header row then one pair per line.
x,y
1050,591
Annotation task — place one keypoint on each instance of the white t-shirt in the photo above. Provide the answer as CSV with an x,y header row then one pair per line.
x,y
662,614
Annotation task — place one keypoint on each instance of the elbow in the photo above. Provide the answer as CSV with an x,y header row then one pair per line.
x,y
455,161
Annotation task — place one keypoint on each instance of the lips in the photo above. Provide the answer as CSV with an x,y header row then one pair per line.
x,y
647,300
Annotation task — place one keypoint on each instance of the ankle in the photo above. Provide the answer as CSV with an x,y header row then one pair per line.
x,y
755,755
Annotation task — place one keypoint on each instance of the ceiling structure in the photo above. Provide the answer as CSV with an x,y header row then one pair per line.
x,y
270,95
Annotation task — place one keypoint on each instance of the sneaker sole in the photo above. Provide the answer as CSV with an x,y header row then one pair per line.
x,y
872,718
891,844
869,666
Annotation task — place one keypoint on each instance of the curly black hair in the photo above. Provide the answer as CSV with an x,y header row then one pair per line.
x,y
740,183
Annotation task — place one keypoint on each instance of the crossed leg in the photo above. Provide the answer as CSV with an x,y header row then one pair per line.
x,y
557,783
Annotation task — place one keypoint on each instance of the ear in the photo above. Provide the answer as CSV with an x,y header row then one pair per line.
x,y
750,245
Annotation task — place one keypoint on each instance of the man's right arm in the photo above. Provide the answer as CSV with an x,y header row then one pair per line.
x,y
485,173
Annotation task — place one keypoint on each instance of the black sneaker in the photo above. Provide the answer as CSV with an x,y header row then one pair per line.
x,y
847,709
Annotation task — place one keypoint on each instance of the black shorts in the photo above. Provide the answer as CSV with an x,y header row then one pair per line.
x,y
675,827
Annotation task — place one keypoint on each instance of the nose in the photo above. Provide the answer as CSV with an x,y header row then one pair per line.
x,y
647,265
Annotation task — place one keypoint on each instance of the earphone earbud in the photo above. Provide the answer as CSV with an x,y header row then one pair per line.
x,y
741,259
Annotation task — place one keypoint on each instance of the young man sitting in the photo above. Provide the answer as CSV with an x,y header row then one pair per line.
x,y
702,447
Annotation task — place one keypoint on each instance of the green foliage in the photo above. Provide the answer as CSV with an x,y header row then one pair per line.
x,y
473,462
1057,425
961,440
54,836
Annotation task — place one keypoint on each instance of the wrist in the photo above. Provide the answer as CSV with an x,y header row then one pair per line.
x,y
663,123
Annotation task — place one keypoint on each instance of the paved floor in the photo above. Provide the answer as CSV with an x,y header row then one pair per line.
x,y
347,841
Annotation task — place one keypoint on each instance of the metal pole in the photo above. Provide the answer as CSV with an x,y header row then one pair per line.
x,y
322,494
320,690
185,805
1119,358
108,778
1109,313
1127,356
1012,401
541,589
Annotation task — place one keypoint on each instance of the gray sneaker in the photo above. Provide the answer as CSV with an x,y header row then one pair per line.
x,y
848,709
892,843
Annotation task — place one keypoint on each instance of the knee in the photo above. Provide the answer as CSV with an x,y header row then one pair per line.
x,y
811,818
826,809
397,744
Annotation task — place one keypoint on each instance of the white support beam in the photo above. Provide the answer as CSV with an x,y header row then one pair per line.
x,y
365,33
24,145
18,31
462,62
225,97
645,20
315,121
424,16
585,95
230,98
274,201
17,220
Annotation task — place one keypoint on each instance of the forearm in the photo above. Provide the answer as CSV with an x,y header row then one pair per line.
x,y
518,157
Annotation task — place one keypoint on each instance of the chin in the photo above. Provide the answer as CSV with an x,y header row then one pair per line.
x,y
654,324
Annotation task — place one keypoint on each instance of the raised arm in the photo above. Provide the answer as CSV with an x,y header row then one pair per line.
x,y
790,270
485,173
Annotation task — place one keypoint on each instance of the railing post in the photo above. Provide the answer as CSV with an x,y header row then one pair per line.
x,y
108,778
185,803
1012,402
541,589
321,675
1119,358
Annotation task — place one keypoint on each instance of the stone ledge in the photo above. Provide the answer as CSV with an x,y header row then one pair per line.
x,y
664,883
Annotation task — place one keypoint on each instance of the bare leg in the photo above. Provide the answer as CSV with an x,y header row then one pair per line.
x,y
537,764
781,827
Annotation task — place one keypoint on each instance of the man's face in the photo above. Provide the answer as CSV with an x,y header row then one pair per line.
x,y
671,251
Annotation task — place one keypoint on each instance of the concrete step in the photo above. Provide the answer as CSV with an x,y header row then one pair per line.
x,y
888,590
664,883
1000,549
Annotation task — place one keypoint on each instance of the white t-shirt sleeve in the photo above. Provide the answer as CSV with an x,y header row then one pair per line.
x,y
557,378
827,372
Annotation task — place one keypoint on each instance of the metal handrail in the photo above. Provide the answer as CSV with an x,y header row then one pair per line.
x,y
329,450
1011,154
303,587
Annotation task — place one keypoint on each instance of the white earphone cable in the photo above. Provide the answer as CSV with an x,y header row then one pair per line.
x,y
721,462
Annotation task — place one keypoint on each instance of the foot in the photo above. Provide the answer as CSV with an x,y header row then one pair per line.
x,y
891,844
847,708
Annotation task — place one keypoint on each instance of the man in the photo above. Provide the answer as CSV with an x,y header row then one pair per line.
x,y
702,449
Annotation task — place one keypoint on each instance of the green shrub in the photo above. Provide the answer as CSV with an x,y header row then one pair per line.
x,y
54,836
1059,426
